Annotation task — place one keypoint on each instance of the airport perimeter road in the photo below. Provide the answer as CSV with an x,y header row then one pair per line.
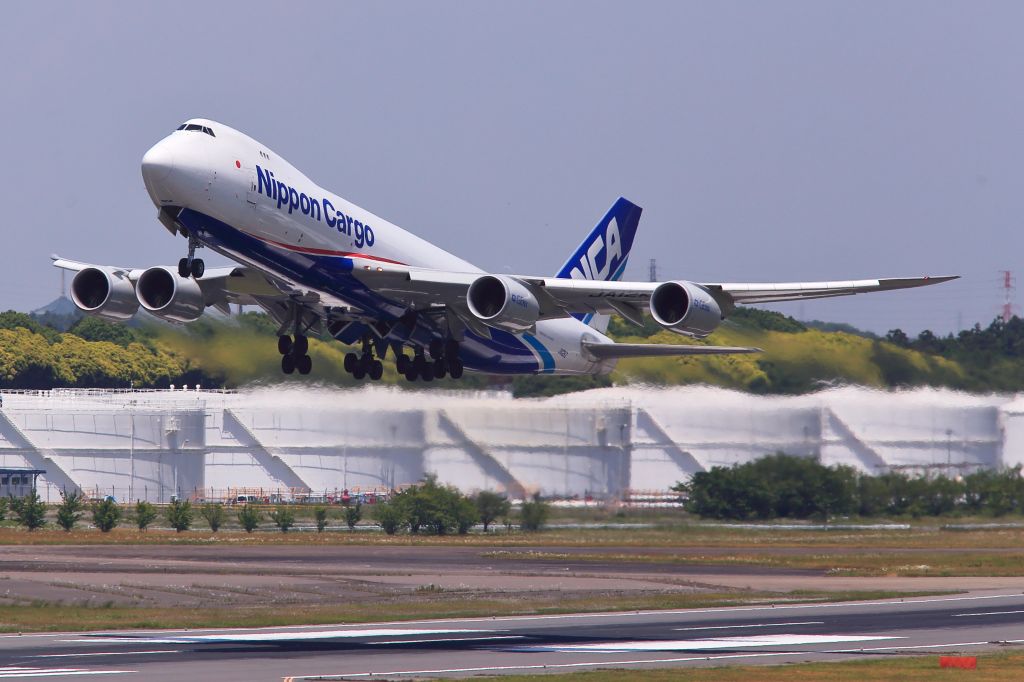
x,y
464,647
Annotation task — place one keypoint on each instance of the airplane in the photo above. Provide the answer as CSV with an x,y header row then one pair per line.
x,y
320,265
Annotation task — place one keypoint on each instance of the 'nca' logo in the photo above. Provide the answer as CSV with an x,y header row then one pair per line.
x,y
592,266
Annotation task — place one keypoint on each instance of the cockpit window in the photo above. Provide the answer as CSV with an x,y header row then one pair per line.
x,y
197,128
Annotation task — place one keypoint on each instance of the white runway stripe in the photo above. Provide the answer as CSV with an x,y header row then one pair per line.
x,y
752,625
990,613
108,653
274,636
20,673
706,644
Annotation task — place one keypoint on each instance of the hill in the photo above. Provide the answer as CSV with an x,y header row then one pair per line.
x,y
237,351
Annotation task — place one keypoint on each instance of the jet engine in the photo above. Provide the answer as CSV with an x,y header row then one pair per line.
x,y
169,296
685,308
105,293
503,303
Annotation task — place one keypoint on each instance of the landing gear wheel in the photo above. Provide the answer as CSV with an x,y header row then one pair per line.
x,y
284,345
198,268
376,370
351,360
410,372
451,349
439,369
436,348
301,346
402,363
183,269
304,364
455,368
359,371
288,364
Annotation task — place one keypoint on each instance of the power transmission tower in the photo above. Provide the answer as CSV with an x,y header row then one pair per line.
x,y
1009,284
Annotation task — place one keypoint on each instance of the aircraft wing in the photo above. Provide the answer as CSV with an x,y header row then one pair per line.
x,y
611,351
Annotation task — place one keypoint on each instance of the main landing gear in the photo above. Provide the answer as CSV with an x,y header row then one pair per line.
x,y
190,265
444,361
364,365
294,354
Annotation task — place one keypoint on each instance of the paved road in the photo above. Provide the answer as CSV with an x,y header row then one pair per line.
x,y
972,623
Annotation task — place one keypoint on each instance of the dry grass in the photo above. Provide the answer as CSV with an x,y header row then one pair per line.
x,y
992,667
54,617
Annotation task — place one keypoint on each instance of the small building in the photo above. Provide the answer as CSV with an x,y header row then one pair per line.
x,y
18,482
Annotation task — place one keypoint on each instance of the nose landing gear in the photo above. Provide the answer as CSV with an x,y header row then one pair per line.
x,y
190,265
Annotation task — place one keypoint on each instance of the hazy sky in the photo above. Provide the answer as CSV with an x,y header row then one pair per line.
x,y
764,140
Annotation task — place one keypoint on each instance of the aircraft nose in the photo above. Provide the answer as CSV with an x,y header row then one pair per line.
x,y
158,162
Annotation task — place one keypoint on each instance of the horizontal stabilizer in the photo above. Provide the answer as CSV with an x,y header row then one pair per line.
x,y
608,351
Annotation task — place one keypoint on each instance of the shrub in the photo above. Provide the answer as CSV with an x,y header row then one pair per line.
x,y
214,515
145,514
249,517
179,515
106,514
320,514
534,514
389,516
491,506
29,511
3,508
70,509
283,517
353,515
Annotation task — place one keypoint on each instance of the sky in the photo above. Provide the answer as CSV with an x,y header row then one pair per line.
x,y
766,141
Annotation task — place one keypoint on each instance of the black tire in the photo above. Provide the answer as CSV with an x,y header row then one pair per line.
x,y
455,368
183,269
284,345
359,371
350,362
428,375
198,267
410,372
436,348
451,349
439,369
304,364
402,363
376,370
288,364
301,346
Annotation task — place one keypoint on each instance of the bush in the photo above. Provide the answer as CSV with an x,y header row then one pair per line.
x,y
70,509
29,511
214,515
3,508
491,506
320,514
283,517
534,514
106,514
353,515
179,515
249,517
145,514
389,516
466,515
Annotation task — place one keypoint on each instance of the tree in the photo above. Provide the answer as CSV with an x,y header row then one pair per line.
x,y
466,515
491,506
283,517
145,514
320,514
106,514
389,516
534,514
214,515
353,514
29,511
249,517
70,509
179,515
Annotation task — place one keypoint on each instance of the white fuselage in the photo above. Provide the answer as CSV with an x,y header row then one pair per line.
x,y
243,200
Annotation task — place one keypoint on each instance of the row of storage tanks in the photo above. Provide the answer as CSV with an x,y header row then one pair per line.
x,y
603,443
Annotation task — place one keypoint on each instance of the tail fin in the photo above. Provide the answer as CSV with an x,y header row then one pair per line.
x,y
603,254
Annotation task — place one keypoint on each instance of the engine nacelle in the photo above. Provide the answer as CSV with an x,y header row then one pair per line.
x,y
104,293
503,303
169,296
685,308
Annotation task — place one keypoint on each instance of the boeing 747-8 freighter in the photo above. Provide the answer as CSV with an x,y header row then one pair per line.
x,y
318,264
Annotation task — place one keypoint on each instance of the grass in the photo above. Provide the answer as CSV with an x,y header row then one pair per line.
x,y
992,667
57,617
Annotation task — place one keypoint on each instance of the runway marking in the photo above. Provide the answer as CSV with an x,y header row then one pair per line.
x,y
703,644
990,613
19,673
753,625
449,639
271,636
107,653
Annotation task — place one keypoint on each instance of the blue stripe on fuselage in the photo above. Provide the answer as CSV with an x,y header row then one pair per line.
x,y
545,354
503,353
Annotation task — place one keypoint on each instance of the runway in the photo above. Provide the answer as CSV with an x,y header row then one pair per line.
x,y
971,623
